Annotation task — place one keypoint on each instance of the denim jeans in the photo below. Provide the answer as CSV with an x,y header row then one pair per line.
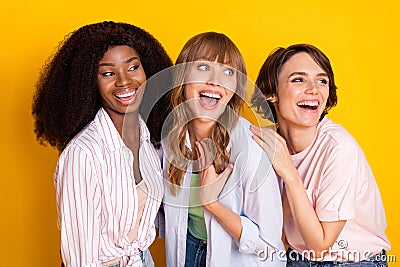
x,y
294,259
147,260
196,251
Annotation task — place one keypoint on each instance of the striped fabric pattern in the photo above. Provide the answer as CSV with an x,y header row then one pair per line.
x,y
97,197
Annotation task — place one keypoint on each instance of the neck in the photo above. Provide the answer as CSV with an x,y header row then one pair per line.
x,y
297,137
131,130
199,130
127,124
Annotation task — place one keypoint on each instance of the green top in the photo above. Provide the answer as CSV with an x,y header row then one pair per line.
x,y
196,224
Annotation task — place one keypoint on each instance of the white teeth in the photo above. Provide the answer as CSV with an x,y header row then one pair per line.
x,y
216,96
123,95
308,103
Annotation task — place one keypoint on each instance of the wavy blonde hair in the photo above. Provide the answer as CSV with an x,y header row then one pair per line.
x,y
209,46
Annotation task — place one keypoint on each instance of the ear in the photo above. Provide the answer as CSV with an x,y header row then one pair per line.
x,y
271,98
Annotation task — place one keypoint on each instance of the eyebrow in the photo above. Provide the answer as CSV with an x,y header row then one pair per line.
x,y
228,63
126,62
322,74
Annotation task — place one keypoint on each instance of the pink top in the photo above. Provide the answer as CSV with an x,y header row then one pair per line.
x,y
341,186
141,190
97,198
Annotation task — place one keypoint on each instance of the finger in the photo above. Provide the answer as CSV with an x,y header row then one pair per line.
x,y
269,135
200,158
271,126
264,135
226,173
206,146
203,155
266,146
255,130
260,142
195,158
213,187
208,171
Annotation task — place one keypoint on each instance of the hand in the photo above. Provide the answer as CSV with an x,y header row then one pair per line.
x,y
275,147
211,183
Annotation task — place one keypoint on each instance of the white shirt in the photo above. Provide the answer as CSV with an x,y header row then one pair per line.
x,y
97,199
252,192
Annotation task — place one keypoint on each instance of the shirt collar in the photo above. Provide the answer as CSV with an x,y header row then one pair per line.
x,y
107,130
109,133
144,131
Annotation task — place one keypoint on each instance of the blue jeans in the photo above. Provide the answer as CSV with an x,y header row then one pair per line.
x,y
147,260
196,251
294,259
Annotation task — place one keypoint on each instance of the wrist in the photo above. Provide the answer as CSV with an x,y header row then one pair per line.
x,y
212,206
292,180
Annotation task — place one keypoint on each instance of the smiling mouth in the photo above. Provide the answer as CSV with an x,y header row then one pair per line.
x,y
126,95
310,105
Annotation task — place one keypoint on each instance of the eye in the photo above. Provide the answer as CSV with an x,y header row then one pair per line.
x,y
322,81
107,74
203,67
297,80
133,68
229,72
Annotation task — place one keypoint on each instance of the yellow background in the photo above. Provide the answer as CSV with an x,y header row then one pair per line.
x,y
360,37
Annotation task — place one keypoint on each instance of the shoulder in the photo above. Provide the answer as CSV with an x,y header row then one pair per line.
x,y
335,133
337,141
242,137
241,130
87,141
246,154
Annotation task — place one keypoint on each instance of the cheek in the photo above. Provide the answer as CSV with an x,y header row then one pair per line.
x,y
104,83
284,100
325,94
228,97
188,91
102,88
230,83
142,77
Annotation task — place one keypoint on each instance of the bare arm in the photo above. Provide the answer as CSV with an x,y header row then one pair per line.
x,y
229,220
318,236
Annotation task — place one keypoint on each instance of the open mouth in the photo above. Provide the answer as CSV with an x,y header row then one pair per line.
x,y
209,99
309,105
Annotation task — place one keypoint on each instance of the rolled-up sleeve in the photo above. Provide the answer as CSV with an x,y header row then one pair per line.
x,y
262,218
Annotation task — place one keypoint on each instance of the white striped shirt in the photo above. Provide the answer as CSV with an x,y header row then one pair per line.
x,y
97,198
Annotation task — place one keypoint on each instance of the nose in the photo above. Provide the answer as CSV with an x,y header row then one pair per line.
x,y
122,79
214,79
312,88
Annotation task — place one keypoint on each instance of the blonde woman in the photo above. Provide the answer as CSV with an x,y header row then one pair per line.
x,y
223,210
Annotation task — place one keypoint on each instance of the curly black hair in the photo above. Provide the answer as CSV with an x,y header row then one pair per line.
x,y
67,97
